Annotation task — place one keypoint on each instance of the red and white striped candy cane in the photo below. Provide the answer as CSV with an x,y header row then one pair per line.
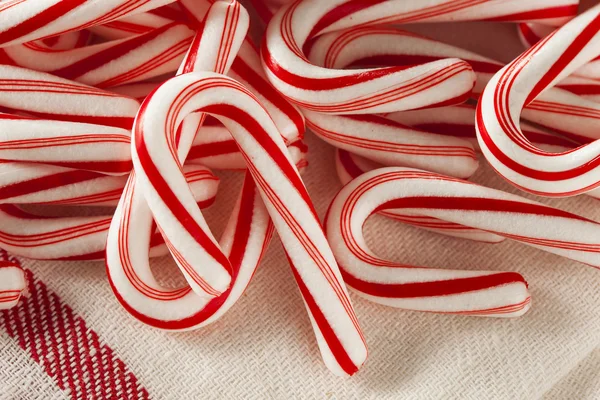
x,y
502,142
350,166
247,69
76,145
26,20
77,237
215,148
203,263
113,63
27,183
391,143
587,88
13,284
279,183
139,24
459,121
384,89
361,47
50,97
530,34
459,202
244,241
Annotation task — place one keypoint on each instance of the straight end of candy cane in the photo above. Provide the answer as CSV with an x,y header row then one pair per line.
x,y
13,284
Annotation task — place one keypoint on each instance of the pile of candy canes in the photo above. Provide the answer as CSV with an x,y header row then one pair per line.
x,y
128,103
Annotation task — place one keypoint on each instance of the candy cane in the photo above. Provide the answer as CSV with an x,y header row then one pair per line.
x,y
244,241
208,275
350,166
530,34
27,183
113,63
26,20
460,202
81,238
247,69
392,143
358,47
139,24
281,188
215,148
587,88
49,97
459,121
387,89
361,47
13,284
500,138
69,144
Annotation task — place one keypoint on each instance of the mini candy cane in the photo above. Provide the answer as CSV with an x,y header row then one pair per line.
x,y
459,202
385,89
255,125
80,238
500,138
244,241
587,88
113,63
247,69
49,97
26,20
281,188
139,24
13,284
215,148
350,166
391,143
69,144
209,273
530,34
26,183
459,121
360,47
554,109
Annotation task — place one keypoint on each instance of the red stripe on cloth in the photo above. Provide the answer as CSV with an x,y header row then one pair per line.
x,y
67,349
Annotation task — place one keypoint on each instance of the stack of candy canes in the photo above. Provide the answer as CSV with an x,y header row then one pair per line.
x,y
128,103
